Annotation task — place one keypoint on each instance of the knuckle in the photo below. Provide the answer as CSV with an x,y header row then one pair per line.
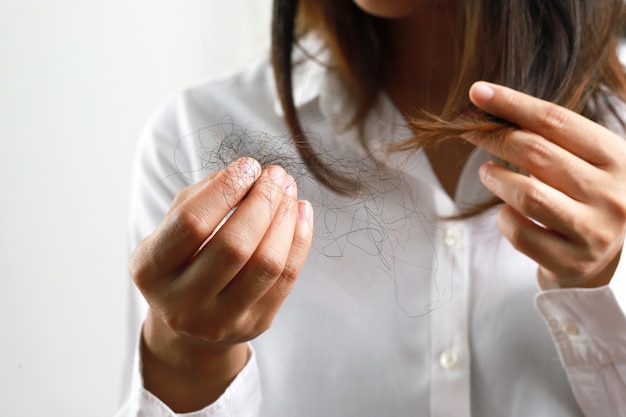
x,y
271,265
181,197
619,203
517,239
600,240
141,267
516,236
234,248
212,329
247,326
586,263
289,276
536,150
530,199
286,282
616,201
554,117
577,268
301,240
215,332
264,324
186,221
179,320
255,323
263,321
619,152
137,266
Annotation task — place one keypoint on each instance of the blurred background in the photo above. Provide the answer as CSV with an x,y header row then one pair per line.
x,y
78,79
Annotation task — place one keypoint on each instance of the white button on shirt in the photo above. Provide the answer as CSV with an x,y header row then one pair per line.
x,y
397,312
569,329
448,359
451,238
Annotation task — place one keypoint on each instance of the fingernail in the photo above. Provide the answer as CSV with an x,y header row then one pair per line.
x,y
291,188
248,166
278,175
482,171
305,212
481,91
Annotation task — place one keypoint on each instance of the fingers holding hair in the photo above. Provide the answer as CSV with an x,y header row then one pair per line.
x,y
564,128
194,215
569,212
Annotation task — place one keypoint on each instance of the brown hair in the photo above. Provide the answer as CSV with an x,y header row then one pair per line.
x,y
562,51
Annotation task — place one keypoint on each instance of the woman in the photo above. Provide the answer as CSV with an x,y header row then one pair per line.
x,y
416,297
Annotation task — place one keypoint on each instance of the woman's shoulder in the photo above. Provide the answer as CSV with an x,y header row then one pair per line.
x,y
247,97
244,97
251,90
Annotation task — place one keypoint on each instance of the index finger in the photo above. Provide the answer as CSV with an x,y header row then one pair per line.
x,y
190,223
565,128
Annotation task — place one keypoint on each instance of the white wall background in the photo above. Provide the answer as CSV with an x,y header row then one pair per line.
x,y
77,81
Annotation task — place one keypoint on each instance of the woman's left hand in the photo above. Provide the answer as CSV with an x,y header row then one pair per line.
x,y
569,214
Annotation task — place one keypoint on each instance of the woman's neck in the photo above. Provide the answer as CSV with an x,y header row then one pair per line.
x,y
423,65
423,57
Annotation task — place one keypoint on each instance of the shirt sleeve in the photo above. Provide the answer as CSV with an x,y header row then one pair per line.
x,y
588,327
159,174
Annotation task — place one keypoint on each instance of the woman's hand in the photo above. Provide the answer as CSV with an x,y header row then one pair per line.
x,y
569,214
212,284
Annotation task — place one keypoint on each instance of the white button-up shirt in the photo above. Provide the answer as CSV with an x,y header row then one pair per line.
x,y
398,311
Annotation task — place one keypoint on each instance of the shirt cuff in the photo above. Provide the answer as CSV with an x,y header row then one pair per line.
x,y
587,325
589,330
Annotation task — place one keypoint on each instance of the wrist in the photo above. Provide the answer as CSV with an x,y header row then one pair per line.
x,y
186,373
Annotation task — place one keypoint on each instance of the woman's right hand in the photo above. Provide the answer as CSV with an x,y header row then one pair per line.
x,y
212,287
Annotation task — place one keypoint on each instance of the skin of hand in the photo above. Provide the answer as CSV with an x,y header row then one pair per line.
x,y
569,213
213,285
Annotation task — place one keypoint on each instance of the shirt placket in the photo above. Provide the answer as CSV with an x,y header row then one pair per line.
x,y
450,358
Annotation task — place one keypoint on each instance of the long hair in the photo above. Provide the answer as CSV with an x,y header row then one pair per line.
x,y
561,51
